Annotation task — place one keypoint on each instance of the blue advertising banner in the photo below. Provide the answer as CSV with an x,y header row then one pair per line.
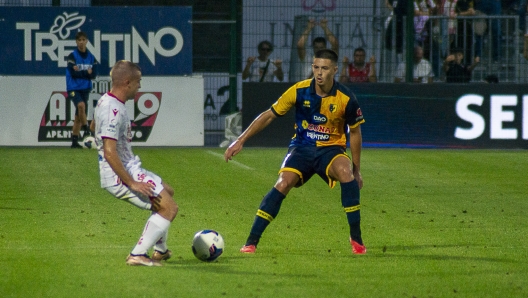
x,y
37,40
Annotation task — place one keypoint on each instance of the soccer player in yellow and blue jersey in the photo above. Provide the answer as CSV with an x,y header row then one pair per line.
x,y
324,111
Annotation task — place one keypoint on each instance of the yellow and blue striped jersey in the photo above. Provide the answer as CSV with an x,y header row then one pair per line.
x,y
320,121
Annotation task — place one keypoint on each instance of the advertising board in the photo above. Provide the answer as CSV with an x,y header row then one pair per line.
x,y
414,115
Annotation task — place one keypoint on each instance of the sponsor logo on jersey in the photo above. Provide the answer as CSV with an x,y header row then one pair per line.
x,y
320,128
317,136
319,118
58,116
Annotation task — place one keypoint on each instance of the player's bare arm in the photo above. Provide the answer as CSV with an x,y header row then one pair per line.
x,y
256,126
111,156
355,147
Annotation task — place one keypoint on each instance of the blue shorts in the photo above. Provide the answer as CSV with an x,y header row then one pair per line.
x,y
77,96
307,161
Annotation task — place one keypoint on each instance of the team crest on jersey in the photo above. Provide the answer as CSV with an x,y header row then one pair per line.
x,y
306,103
333,108
57,120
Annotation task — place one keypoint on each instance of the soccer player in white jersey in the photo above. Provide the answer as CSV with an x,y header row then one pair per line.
x,y
121,172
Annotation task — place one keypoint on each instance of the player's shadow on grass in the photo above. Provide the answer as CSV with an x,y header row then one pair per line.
x,y
225,266
388,251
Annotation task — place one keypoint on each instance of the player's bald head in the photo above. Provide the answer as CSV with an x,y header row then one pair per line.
x,y
124,70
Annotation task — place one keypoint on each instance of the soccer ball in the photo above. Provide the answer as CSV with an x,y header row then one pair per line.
x,y
88,143
208,245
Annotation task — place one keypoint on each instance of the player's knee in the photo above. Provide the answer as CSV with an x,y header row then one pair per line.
x,y
284,186
169,206
343,175
81,107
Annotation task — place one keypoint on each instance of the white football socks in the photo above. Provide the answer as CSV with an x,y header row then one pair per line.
x,y
155,228
161,245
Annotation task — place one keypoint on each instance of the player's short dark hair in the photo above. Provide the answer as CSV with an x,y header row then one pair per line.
x,y
319,40
327,54
80,34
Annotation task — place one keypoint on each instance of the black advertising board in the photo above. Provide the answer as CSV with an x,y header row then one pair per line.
x,y
410,115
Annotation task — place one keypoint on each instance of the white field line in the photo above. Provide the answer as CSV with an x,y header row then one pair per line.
x,y
231,161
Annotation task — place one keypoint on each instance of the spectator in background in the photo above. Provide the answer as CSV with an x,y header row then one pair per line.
x,y
522,16
491,79
490,8
319,43
525,47
422,10
398,11
422,69
456,71
358,71
448,27
80,71
259,69
464,40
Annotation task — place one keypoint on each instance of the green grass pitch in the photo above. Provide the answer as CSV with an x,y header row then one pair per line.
x,y
436,223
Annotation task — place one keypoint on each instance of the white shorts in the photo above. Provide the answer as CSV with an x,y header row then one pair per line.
x,y
122,192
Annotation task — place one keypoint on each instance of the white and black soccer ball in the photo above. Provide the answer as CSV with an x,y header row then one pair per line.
x,y
207,245
88,143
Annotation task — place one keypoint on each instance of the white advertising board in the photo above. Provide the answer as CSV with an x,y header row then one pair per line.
x,y
35,111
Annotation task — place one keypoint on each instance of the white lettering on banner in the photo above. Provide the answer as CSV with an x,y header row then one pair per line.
x,y
27,27
37,44
498,116
525,117
463,111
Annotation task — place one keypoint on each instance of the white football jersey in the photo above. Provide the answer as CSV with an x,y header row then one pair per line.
x,y
112,121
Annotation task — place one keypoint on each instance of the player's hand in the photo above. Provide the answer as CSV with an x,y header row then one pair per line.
x,y
345,60
76,68
450,58
232,150
359,179
372,59
143,188
477,59
156,203
89,70
277,63
250,60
